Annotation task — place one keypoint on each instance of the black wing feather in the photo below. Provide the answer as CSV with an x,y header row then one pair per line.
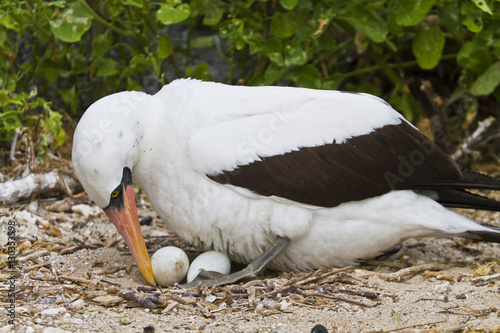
x,y
389,158
394,157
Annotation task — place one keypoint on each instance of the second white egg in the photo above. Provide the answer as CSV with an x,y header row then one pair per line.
x,y
209,261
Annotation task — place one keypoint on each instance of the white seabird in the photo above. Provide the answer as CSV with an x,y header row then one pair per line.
x,y
328,177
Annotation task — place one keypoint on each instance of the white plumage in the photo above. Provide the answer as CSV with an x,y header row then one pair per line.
x,y
172,141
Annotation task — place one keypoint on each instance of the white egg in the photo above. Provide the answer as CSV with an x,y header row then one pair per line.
x,y
209,261
170,265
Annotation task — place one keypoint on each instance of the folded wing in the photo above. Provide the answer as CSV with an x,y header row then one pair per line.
x,y
323,154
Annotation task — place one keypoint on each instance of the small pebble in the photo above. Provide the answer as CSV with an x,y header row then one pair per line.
x,y
284,305
210,298
86,210
77,305
319,329
442,288
149,329
146,221
53,312
32,206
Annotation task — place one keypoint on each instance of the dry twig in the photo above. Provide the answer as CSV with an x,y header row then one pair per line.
x,y
338,298
486,278
405,272
466,145
22,189
79,280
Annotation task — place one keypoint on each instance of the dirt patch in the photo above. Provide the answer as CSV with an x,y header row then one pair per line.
x,y
78,276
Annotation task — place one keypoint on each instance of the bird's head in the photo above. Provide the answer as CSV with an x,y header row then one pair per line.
x,y
106,147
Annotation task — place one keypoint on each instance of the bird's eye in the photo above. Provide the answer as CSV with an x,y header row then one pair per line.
x,y
115,194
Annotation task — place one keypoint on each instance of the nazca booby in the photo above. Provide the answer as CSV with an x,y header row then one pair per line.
x,y
328,177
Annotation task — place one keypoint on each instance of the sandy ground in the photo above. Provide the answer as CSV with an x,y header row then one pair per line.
x,y
76,272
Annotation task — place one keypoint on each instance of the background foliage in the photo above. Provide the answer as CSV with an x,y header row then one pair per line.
x,y
58,57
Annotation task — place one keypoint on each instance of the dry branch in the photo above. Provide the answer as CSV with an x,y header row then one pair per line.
x,y
79,280
33,184
338,298
406,272
486,278
465,147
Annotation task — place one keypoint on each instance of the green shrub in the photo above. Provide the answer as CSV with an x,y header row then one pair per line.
x,y
70,53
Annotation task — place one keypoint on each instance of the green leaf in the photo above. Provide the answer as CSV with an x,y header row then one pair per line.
x,y
164,47
306,76
257,80
272,74
427,46
464,53
230,27
70,97
139,63
106,67
8,22
481,4
101,44
480,59
295,55
49,69
449,18
133,85
135,3
213,15
251,35
173,12
9,121
496,46
70,25
472,17
271,45
487,82
332,82
367,22
281,26
276,57
201,72
288,4
202,42
401,102
475,57
473,23
52,132
369,88
326,43
411,12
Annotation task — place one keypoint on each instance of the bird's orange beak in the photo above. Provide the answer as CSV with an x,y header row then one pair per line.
x,y
127,223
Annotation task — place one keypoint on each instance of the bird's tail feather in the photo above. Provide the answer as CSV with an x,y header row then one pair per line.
x,y
469,180
458,198
488,234
452,193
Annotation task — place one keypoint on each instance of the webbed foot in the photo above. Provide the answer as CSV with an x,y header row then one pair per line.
x,y
211,279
